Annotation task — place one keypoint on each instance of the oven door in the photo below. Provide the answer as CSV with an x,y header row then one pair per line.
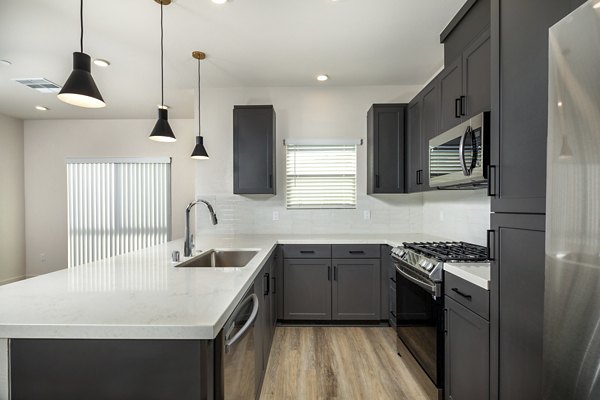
x,y
419,317
458,157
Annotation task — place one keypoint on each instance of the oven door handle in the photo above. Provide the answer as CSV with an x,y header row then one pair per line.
x,y
431,288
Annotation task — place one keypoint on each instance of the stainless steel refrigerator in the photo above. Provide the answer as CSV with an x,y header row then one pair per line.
x,y
572,286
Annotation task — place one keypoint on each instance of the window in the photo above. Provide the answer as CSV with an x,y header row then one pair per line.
x,y
320,175
116,206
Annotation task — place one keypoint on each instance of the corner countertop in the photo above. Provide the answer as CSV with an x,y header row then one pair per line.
x,y
476,273
142,295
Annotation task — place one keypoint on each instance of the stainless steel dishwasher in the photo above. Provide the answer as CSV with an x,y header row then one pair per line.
x,y
239,369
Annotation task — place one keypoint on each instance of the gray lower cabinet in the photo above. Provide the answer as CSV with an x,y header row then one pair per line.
x,y
467,353
264,288
356,289
517,305
307,289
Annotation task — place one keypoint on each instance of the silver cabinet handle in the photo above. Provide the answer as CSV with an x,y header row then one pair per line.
x,y
230,342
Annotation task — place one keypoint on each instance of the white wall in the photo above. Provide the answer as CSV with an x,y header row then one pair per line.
x,y
12,200
459,215
321,112
48,143
307,112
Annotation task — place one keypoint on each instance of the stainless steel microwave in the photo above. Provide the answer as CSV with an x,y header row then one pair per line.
x,y
459,157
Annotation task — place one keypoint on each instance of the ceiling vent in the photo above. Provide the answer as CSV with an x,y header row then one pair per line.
x,y
40,84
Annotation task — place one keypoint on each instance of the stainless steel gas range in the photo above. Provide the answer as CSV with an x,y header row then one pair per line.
x,y
420,298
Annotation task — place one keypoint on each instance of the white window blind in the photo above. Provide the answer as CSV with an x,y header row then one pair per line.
x,y
320,176
116,206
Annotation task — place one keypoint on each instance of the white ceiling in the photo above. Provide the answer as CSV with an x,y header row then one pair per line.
x,y
248,43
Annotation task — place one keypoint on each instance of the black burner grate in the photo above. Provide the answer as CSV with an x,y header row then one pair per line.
x,y
450,251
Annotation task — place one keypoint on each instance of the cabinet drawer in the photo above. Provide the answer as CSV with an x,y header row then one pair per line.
x,y
469,295
307,251
355,250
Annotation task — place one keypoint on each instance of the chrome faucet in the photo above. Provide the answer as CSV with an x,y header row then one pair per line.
x,y
189,238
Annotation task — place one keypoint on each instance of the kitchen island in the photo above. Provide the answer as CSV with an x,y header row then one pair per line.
x,y
142,296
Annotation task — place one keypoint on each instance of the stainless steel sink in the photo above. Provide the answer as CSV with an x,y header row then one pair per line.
x,y
220,259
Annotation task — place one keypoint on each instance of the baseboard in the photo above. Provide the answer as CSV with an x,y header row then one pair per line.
x,y
11,280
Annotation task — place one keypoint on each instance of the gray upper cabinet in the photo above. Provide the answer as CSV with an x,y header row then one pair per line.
x,y
356,289
465,84
451,95
476,78
519,125
413,158
430,107
385,148
467,354
254,150
307,289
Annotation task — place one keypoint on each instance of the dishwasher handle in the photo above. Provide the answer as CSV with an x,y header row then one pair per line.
x,y
230,342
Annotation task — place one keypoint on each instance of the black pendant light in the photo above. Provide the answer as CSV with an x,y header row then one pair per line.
x,y
162,131
199,152
80,89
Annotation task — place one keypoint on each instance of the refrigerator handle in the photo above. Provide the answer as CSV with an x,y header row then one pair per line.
x,y
491,245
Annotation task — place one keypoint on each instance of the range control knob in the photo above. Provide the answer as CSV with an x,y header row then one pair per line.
x,y
401,253
429,266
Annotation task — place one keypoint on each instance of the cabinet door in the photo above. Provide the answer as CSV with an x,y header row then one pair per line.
x,y
386,148
451,101
253,150
356,289
259,332
519,125
429,127
413,146
386,265
477,76
517,305
307,289
467,354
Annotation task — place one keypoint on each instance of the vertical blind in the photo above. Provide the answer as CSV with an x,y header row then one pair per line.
x,y
116,206
321,176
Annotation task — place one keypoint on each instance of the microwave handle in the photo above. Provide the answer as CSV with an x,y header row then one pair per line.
x,y
461,152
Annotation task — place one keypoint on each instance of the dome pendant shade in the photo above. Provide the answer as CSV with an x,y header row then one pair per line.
x,y
162,131
80,89
199,152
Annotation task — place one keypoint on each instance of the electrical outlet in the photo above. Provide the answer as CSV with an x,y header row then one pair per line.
x,y
441,215
275,215
43,257
367,215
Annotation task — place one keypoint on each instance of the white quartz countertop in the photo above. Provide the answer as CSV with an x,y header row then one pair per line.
x,y
476,273
142,295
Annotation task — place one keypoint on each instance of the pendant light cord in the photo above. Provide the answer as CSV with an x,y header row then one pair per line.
x,y
199,125
81,22
162,79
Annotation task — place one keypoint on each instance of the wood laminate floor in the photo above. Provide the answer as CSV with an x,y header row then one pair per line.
x,y
350,363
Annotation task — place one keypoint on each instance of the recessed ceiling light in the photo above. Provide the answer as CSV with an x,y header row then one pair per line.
x,y
559,104
219,1
322,78
101,63
5,62
597,5
41,108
